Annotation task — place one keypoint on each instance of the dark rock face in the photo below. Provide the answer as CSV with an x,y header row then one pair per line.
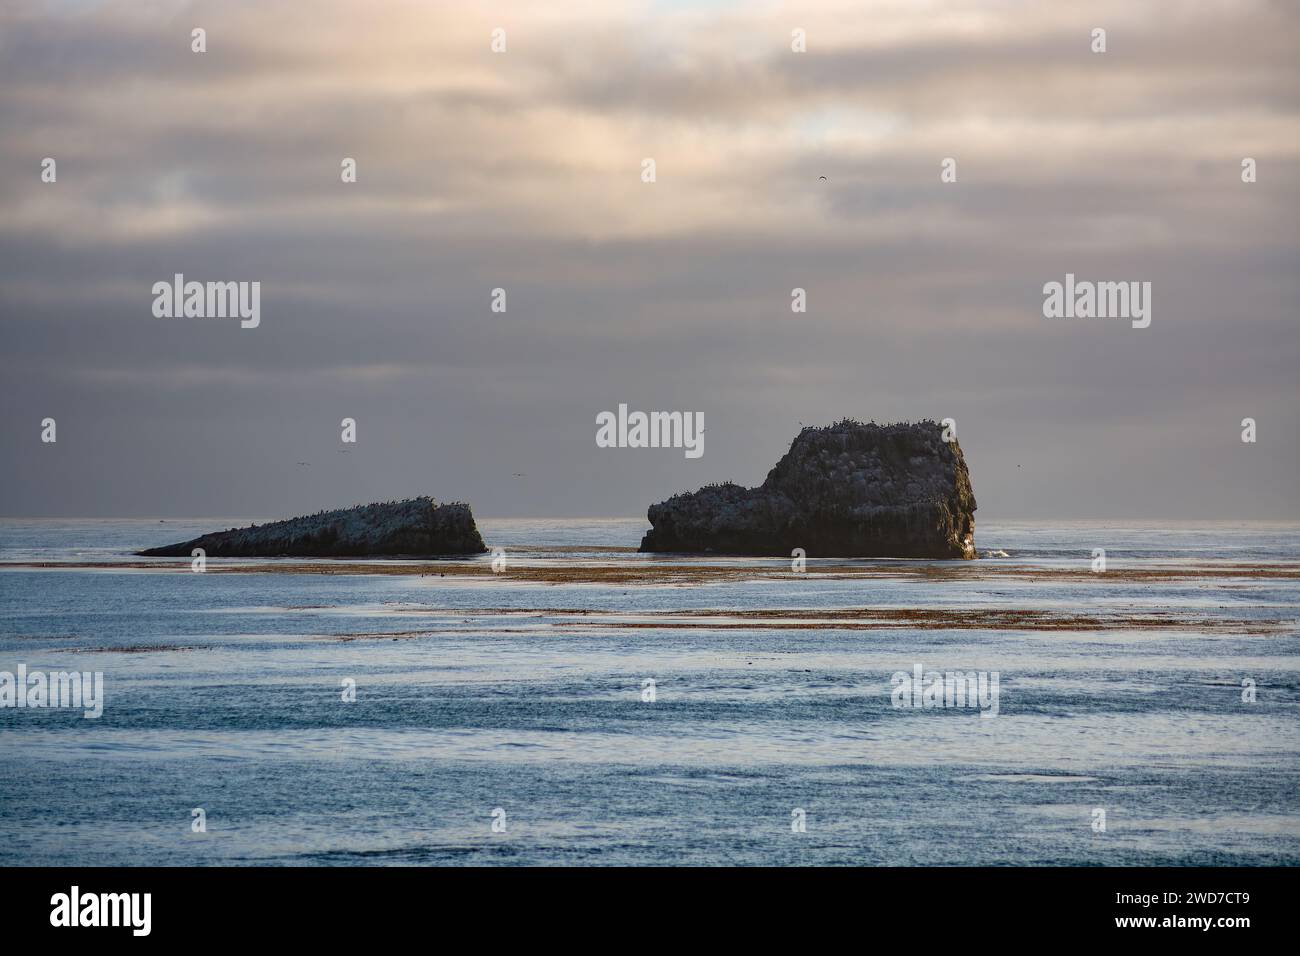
x,y
414,527
846,490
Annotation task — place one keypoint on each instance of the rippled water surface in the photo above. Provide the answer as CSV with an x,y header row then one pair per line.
x,y
223,691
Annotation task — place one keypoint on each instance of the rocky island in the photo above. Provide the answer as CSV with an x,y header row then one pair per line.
x,y
845,490
415,527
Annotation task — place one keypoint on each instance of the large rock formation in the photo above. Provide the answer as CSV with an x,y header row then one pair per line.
x,y
414,527
846,490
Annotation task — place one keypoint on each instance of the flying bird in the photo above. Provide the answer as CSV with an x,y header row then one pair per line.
x,y
822,178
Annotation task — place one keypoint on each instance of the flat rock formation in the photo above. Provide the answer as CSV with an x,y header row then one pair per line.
x,y
846,490
412,528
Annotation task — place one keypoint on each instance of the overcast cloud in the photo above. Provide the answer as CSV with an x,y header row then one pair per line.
x,y
522,171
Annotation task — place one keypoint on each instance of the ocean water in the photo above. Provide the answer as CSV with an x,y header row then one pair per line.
x,y
483,693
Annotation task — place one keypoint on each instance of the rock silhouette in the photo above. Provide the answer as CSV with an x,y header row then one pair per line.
x,y
844,490
413,527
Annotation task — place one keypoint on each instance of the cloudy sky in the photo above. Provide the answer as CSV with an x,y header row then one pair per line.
x,y
522,170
